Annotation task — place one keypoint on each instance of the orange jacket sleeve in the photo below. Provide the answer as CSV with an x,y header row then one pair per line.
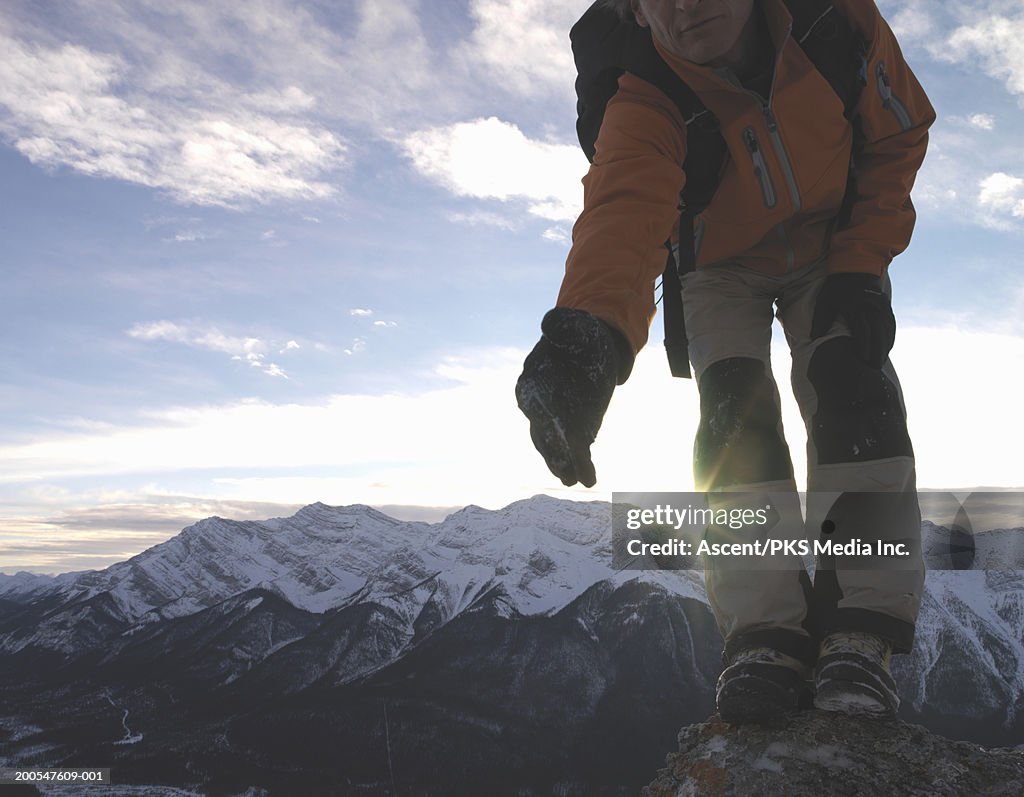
x,y
894,114
630,209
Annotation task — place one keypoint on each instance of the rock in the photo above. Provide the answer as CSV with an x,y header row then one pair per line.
x,y
818,753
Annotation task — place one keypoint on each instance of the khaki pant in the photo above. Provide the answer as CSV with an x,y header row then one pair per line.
x,y
857,446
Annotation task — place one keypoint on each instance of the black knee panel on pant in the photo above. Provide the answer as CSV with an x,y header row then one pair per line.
x,y
738,440
859,416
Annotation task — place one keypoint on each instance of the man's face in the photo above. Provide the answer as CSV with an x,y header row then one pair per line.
x,y
702,31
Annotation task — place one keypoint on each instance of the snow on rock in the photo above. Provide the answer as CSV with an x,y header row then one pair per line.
x,y
968,646
542,551
537,554
534,556
24,587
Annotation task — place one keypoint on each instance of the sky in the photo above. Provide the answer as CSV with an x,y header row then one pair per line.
x,y
258,255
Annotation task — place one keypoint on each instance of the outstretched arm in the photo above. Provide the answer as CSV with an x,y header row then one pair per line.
x,y
630,207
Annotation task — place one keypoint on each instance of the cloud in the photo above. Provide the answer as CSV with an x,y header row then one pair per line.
x,y
234,105
245,349
364,312
465,441
492,159
483,218
402,440
982,121
69,106
524,44
322,63
911,21
188,236
962,453
558,235
953,442
1003,195
86,530
358,346
996,42
90,531
291,99
967,149
970,174
975,121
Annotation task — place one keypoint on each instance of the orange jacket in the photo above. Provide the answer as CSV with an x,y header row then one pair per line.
x,y
781,189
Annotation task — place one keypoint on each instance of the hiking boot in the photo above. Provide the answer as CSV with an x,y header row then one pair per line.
x,y
762,685
853,675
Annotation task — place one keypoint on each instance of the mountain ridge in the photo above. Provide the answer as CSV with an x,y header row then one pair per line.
x,y
237,643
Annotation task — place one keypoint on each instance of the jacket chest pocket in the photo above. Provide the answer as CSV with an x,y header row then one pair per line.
x,y
748,194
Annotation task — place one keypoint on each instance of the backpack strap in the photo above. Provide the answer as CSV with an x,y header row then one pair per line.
x,y
706,154
840,54
604,46
835,48
598,43
705,157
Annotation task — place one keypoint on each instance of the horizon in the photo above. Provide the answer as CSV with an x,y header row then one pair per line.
x,y
251,264
434,516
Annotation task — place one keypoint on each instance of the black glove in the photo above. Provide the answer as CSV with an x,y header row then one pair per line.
x,y
865,308
565,388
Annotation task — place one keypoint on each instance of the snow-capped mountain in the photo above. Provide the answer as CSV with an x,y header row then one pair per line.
x,y
326,635
541,553
967,670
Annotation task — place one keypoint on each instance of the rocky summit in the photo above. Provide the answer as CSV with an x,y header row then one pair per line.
x,y
818,753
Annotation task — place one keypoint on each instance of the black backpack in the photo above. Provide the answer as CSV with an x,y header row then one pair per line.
x,y
604,46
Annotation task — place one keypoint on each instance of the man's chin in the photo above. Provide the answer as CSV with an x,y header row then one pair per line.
x,y
702,56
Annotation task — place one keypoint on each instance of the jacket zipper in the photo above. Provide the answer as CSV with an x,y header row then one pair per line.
x,y
890,101
790,254
773,129
780,150
760,167
777,145
773,132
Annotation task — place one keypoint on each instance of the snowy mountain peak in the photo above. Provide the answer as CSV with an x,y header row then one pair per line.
x,y
319,509
22,582
542,551
377,584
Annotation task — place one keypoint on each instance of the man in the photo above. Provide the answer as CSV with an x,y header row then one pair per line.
x,y
786,236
